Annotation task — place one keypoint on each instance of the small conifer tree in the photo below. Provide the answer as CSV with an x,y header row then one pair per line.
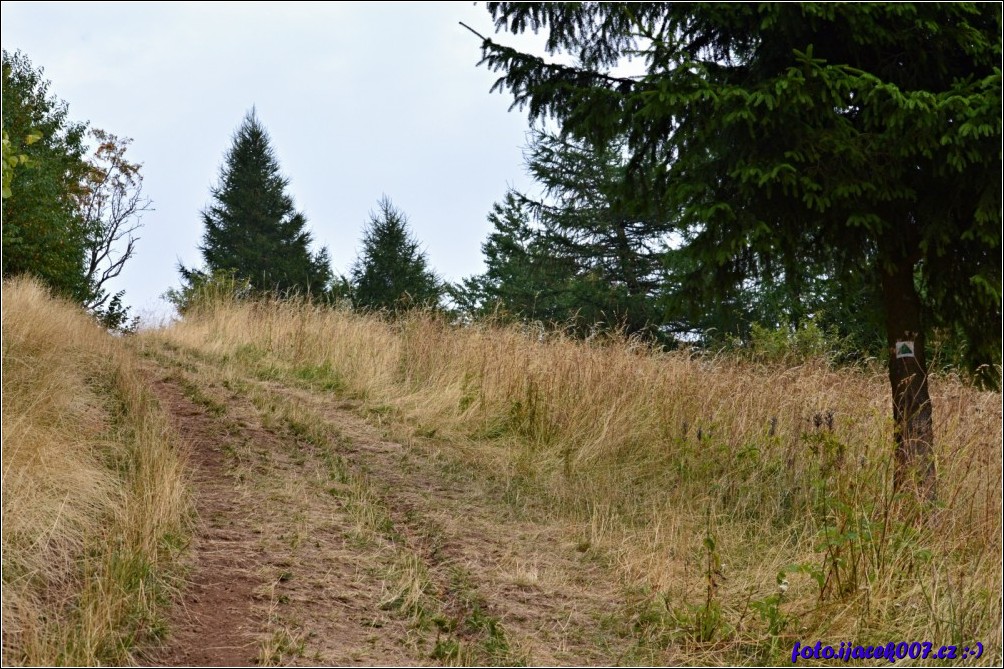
x,y
392,272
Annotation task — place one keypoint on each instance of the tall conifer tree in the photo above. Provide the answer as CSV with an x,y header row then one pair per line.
x,y
252,229
862,135
524,276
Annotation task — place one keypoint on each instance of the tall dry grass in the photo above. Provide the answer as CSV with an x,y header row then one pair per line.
x,y
746,506
93,494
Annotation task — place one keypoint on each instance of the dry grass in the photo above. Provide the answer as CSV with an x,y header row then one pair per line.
x,y
93,496
705,482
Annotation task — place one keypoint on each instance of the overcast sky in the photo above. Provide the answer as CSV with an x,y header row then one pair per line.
x,y
360,100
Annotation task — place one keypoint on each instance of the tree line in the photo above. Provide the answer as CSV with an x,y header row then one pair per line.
x,y
73,202
834,167
256,241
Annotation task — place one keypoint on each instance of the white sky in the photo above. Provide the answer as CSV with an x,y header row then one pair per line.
x,y
360,100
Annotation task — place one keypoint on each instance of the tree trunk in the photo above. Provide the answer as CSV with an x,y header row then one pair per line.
x,y
636,316
911,401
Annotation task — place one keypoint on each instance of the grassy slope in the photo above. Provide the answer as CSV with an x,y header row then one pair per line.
x,y
93,495
711,485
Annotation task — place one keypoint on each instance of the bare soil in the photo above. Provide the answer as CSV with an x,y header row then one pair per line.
x,y
321,541
216,622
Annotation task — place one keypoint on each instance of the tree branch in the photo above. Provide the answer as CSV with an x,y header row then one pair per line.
x,y
562,69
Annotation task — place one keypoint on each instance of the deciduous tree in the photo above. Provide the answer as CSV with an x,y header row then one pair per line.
x,y
111,204
43,233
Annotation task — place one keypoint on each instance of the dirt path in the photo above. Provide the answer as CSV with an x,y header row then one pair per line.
x,y
216,624
321,541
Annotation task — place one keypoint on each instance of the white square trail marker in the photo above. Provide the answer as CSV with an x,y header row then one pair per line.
x,y
904,349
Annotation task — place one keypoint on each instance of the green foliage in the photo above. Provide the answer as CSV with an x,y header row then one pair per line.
x,y
708,617
855,142
204,291
253,233
594,252
43,233
726,308
115,316
583,254
392,272
69,214
595,217
524,278
12,159
788,343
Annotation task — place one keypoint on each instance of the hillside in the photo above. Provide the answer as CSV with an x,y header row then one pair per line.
x,y
95,508
411,492
498,496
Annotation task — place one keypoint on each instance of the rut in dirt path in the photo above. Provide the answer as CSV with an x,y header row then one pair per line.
x,y
321,541
217,622
260,590
552,602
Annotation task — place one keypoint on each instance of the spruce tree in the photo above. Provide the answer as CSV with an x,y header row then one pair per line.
x,y
253,232
862,135
591,215
582,255
524,277
391,272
